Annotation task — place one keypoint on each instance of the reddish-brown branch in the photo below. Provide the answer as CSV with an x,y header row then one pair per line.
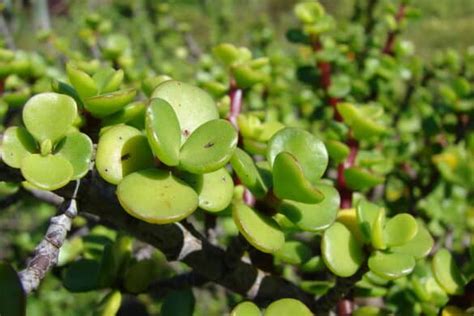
x,y
392,35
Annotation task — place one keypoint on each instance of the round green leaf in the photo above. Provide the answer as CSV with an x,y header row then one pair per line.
x,y
290,183
215,189
248,173
17,144
420,246
122,150
391,265
294,252
246,309
400,229
47,172
342,254
192,105
12,296
360,179
287,306
209,148
309,151
447,273
313,217
106,104
156,196
49,116
163,131
82,82
259,230
77,149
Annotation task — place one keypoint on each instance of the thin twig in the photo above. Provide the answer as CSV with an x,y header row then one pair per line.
x,y
46,253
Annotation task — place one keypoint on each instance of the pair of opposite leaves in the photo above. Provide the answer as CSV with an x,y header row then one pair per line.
x,y
49,151
184,132
98,93
397,243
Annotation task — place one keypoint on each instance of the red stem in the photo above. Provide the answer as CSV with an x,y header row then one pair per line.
x,y
235,94
389,43
325,70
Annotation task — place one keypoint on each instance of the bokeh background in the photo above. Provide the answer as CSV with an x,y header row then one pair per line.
x,y
158,43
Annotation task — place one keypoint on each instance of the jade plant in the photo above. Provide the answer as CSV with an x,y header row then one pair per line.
x,y
334,178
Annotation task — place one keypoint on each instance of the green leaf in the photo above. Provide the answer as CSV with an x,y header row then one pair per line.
x,y
192,105
289,181
115,258
400,229
226,53
309,12
82,276
419,246
47,172
82,82
367,213
12,296
163,131
377,233
49,116
391,265
359,179
340,86
108,80
287,306
17,144
362,120
77,149
294,252
122,150
246,309
110,304
140,275
106,104
309,151
245,76
248,173
133,114
156,196
209,148
261,231
313,217
178,303
447,273
342,254
215,189
338,151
